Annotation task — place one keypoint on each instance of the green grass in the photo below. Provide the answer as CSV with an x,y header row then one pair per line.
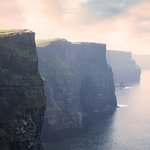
x,y
41,43
8,31
24,53
21,52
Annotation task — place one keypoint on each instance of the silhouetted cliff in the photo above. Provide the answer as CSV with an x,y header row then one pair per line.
x,y
22,100
124,68
78,82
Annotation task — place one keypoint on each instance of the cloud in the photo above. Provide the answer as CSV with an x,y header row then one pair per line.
x,y
99,10
11,14
122,24
131,29
52,17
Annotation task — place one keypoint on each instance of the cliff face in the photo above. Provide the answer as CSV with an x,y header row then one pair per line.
x,y
124,67
22,100
78,82
62,99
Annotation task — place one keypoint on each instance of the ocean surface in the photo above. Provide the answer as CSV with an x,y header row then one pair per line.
x,y
128,128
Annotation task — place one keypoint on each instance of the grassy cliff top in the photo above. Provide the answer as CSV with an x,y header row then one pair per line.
x,y
41,43
13,31
46,42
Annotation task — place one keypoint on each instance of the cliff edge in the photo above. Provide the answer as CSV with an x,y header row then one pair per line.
x,y
22,100
78,82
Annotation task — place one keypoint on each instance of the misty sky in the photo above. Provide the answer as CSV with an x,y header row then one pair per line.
x,y
122,24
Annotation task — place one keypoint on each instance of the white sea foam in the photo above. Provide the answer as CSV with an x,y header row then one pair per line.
x,y
120,106
128,87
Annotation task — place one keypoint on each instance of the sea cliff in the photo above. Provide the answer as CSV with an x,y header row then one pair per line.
x,y
124,67
22,100
78,82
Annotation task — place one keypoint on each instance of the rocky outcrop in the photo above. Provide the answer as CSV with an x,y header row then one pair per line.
x,y
124,68
22,100
78,82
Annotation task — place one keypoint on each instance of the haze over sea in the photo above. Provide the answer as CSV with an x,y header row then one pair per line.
x,y
127,129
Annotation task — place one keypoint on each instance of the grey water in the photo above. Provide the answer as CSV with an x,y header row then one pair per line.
x,y
128,128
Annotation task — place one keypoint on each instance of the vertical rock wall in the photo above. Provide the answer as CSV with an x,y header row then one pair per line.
x,y
78,82
22,100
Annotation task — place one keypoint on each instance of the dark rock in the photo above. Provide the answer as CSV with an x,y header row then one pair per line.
x,y
78,82
22,100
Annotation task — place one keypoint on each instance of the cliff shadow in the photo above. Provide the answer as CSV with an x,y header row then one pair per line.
x,y
97,130
89,121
